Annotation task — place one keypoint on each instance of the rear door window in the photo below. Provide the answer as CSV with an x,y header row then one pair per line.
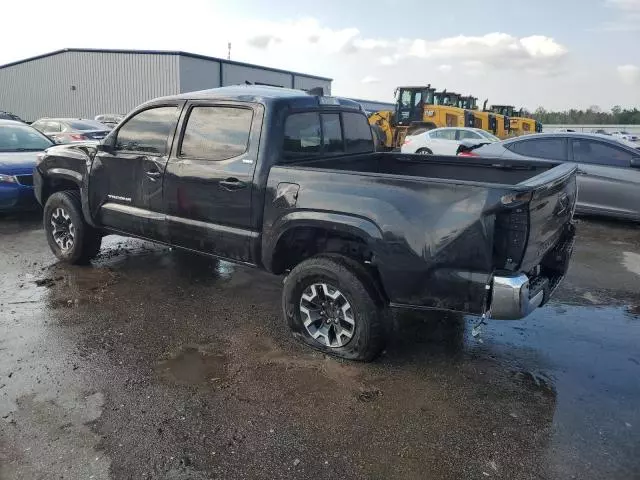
x,y
216,132
445,134
148,131
599,153
549,148
468,134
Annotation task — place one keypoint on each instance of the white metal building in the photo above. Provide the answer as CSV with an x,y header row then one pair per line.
x,y
85,82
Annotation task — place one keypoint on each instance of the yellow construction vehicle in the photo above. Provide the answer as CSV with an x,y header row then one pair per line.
x,y
519,124
418,109
494,122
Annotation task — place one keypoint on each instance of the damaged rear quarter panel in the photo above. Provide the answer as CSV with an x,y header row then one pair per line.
x,y
432,241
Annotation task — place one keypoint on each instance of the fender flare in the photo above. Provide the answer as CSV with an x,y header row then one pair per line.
x,y
337,222
77,178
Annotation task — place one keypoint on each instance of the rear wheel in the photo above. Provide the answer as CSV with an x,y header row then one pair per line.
x,y
332,304
424,151
70,238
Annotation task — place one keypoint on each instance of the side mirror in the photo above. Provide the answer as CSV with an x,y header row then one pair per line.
x,y
106,145
635,162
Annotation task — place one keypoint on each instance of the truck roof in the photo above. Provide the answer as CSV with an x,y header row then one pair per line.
x,y
267,95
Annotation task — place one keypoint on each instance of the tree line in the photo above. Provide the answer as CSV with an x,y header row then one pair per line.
x,y
592,115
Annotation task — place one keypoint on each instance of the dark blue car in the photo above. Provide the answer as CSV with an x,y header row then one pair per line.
x,y
19,147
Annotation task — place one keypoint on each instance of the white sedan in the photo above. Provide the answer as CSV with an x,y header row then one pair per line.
x,y
444,141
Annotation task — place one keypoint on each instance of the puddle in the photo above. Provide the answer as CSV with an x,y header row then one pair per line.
x,y
194,366
632,262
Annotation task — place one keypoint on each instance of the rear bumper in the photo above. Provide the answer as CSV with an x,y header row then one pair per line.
x,y
513,298
516,296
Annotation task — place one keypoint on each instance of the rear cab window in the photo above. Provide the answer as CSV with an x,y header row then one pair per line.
x,y
310,134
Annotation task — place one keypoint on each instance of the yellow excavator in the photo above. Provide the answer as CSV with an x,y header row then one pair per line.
x,y
519,124
418,109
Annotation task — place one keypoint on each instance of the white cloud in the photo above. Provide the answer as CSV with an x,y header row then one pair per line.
x,y
370,79
534,54
499,50
445,68
629,74
263,41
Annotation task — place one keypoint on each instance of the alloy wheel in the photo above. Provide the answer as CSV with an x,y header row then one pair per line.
x,y
327,315
64,232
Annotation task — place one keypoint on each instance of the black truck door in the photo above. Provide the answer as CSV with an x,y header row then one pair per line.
x,y
209,179
126,179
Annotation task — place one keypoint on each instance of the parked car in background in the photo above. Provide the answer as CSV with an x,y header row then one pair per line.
x,y
109,119
608,168
445,141
19,147
10,116
70,130
629,137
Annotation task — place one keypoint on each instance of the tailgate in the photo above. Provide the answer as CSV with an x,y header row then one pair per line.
x,y
550,212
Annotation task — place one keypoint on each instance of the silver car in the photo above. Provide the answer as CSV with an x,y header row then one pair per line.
x,y
608,169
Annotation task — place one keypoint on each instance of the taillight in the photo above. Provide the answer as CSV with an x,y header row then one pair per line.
x,y
468,154
76,137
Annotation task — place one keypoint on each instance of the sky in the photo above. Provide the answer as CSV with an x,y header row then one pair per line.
x,y
558,54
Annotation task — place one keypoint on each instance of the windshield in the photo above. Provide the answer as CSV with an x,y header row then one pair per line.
x,y
85,125
488,136
22,138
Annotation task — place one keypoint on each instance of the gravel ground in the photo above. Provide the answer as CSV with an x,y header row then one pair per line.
x,y
153,363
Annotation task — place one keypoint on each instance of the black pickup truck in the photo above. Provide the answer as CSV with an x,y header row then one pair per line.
x,y
291,183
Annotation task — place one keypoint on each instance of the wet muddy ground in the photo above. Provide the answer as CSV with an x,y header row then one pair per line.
x,y
153,363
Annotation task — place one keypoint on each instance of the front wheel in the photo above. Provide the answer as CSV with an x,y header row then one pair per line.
x,y
332,304
70,238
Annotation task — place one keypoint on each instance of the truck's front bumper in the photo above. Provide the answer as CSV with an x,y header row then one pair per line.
x,y
513,298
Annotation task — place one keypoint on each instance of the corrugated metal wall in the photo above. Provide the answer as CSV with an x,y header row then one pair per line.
x,y
104,83
85,84
198,74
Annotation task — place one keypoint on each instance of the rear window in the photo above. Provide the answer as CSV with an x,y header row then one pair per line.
x,y
85,125
314,133
549,148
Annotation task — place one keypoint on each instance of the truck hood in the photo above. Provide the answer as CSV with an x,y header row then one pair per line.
x,y
17,163
74,149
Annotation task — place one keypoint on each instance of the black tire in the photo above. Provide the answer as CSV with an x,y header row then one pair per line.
x,y
86,240
424,151
369,311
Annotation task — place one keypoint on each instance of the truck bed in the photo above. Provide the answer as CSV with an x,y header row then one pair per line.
x,y
466,169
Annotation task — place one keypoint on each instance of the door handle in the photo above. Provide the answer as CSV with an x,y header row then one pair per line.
x,y
232,184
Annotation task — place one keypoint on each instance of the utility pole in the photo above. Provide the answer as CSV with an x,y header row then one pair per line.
x,y
229,51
